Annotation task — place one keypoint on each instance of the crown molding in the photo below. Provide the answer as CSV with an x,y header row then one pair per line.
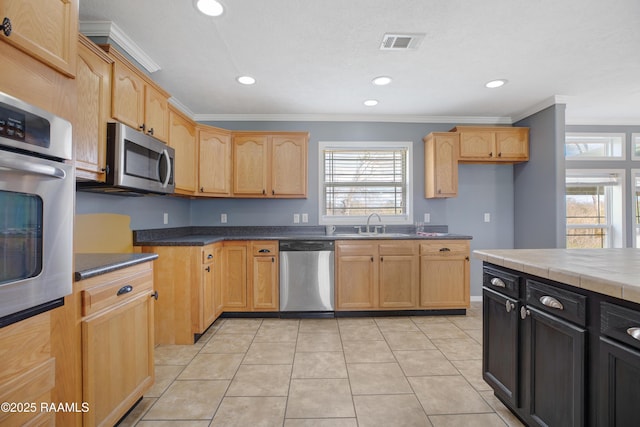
x,y
180,106
552,100
389,118
113,32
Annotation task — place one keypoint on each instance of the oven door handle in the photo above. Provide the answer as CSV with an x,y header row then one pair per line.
x,y
33,168
165,154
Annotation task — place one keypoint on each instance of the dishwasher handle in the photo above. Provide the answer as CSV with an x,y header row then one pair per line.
x,y
306,245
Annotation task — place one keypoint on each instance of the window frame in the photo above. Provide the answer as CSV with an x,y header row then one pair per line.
x,y
635,174
406,218
635,140
621,135
615,209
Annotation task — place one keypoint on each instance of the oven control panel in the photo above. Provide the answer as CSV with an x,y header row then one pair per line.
x,y
12,123
23,126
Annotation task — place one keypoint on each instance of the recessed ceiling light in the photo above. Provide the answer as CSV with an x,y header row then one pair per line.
x,y
210,7
381,81
496,83
370,102
246,80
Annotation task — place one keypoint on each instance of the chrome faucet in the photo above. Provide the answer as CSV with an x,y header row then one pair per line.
x,y
369,220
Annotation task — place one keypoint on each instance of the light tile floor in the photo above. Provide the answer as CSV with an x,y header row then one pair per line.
x,y
382,371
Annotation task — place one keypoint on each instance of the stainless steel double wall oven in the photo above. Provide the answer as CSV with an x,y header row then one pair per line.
x,y
36,210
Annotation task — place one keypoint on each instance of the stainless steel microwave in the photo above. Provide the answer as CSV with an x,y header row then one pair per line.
x,y
136,164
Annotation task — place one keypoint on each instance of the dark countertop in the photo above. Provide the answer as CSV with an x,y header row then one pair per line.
x,y
201,236
90,265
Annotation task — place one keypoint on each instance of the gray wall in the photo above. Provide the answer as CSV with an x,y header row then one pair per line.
x,y
539,212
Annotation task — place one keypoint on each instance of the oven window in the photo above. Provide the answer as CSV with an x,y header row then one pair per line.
x,y
21,216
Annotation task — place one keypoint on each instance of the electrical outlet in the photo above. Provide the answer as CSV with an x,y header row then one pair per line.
x,y
166,218
296,218
427,217
487,217
223,218
305,217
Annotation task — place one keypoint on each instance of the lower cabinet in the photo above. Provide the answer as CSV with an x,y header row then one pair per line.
x,y
535,348
117,342
402,274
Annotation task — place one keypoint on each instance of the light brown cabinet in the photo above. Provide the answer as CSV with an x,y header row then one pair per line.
x,y
251,276
376,274
50,35
441,164
182,137
189,282
270,164
263,280
444,274
117,342
214,161
493,144
93,80
136,100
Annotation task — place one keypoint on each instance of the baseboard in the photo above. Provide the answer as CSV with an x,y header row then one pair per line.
x,y
477,298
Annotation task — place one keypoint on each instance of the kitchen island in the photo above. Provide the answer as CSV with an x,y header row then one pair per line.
x,y
561,337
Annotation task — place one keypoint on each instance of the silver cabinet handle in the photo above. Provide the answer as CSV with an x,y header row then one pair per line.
x,y
551,302
509,306
498,282
634,332
524,312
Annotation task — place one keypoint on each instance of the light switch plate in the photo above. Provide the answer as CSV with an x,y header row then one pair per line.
x,y
305,217
427,217
223,218
165,218
487,217
296,218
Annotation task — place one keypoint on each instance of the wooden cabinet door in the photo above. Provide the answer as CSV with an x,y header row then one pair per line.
x,y
208,302
556,372
127,101
264,283
444,283
182,137
234,291
117,355
289,165
218,279
356,275
250,165
500,349
441,165
44,29
93,80
214,167
156,113
512,144
477,144
399,281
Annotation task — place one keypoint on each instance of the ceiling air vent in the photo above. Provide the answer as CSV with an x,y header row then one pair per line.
x,y
408,41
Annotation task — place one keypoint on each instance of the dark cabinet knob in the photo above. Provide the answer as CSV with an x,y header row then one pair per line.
x,y
6,26
150,131
154,295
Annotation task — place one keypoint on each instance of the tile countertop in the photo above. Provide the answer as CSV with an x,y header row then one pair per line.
x,y
90,265
613,272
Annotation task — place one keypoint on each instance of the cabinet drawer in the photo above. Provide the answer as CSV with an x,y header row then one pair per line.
x,y
264,248
399,247
348,247
565,304
620,323
501,281
115,291
444,247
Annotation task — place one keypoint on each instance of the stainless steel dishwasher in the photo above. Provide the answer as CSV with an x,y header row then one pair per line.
x,y
306,276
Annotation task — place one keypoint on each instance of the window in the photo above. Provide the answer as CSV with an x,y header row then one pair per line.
x,y
635,146
594,146
595,208
361,178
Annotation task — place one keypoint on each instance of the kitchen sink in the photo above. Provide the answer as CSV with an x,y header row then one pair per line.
x,y
379,235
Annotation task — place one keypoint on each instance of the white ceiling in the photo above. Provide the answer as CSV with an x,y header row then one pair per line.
x,y
314,60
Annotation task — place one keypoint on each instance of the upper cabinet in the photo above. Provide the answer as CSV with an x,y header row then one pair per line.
x,y
214,166
136,100
93,80
441,164
270,164
44,29
182,137
493,144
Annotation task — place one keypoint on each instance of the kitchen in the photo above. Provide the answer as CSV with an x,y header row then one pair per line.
x,y
517,223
